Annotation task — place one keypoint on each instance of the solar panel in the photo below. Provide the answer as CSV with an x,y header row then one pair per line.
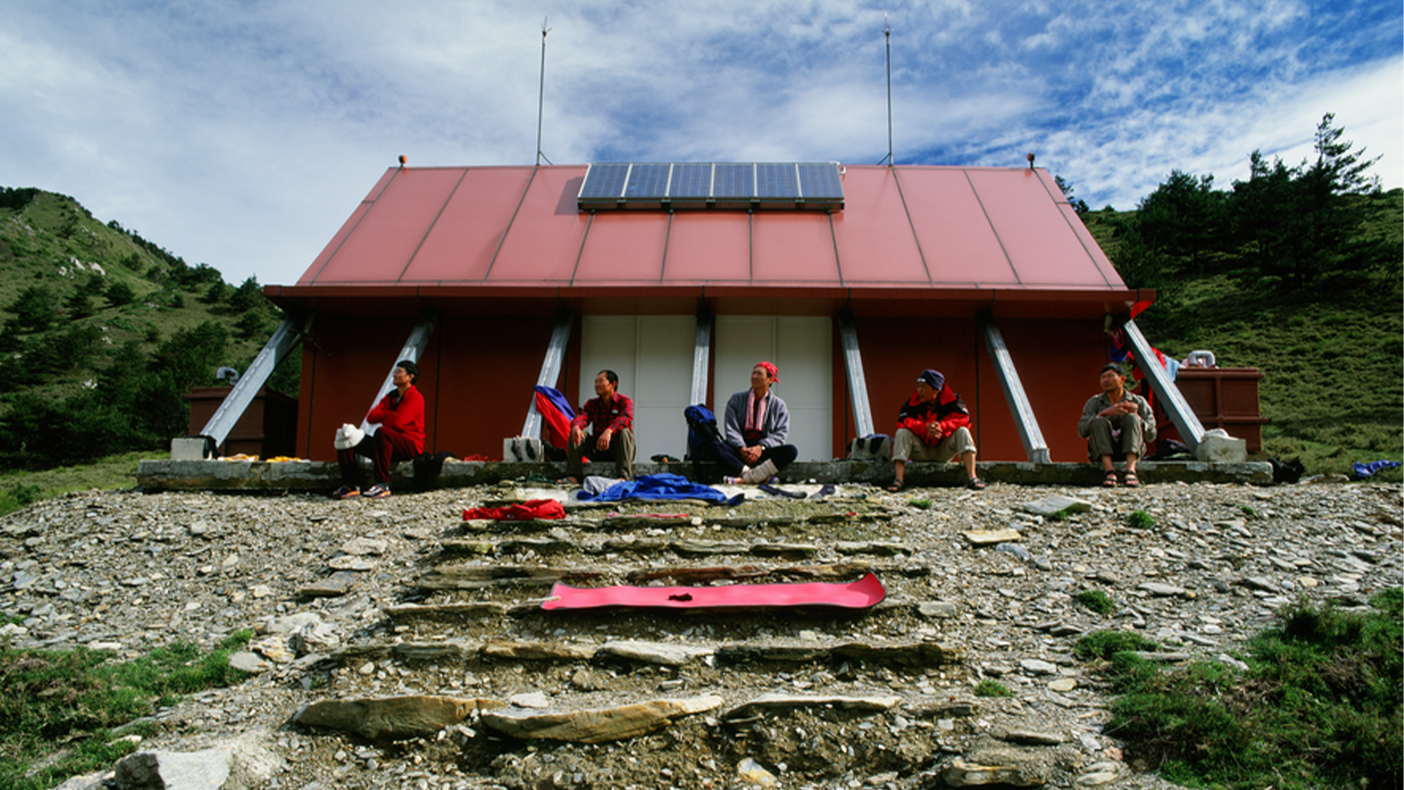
x,y
691,179
647,181
776,180
820,180
731,180
604,181
706,185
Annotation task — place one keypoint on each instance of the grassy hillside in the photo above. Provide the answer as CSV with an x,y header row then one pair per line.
x,y
98,323
1332,354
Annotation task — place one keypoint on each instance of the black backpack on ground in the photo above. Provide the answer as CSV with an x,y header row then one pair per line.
x,y
702,436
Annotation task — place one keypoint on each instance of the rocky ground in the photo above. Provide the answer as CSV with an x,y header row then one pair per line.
x,y
399,646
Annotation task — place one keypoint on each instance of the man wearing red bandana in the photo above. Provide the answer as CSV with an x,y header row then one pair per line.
x,y
755,427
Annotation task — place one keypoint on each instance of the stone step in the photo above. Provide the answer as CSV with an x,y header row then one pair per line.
x,y
906,653
681,547
597,719
486,577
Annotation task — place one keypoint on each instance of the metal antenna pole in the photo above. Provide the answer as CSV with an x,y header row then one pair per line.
x,y
887,34
541,96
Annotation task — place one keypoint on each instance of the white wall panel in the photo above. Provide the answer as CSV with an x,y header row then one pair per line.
x,y
653,357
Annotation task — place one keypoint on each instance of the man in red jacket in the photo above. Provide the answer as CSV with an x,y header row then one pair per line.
x,y
933,425
400,436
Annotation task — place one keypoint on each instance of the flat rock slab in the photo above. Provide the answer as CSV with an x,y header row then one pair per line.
x,y
990,537
467,608
598,725
1057,504
962,773
539,651
391,717
874,703
1161,590
661,653
335,585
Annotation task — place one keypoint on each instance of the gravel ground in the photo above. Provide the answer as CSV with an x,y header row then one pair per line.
x,y
127,571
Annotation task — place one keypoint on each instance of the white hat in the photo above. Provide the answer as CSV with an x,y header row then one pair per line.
x,y
348,436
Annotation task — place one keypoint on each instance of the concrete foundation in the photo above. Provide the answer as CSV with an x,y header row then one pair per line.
x,y
254,476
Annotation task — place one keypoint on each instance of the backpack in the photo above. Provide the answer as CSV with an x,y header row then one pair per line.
x,y
702,435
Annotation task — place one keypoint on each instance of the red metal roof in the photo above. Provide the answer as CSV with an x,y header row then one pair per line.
x,y
906,233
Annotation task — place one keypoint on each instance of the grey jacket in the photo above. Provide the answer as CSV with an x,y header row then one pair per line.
x,y
775,426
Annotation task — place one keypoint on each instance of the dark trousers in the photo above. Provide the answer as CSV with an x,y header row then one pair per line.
x,y
621,451
385,448
782,456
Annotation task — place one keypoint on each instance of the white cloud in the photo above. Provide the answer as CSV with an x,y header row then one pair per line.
x,y
244,134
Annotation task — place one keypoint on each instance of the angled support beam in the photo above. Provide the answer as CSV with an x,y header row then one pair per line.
x,y
285,338
414,346
857,383
1029,432
1190,428
701,356
550,371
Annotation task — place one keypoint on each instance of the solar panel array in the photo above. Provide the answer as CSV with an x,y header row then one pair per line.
x,y
794,185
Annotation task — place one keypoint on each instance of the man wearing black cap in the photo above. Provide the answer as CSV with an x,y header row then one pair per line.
x,y
1116,423
933,425
400,437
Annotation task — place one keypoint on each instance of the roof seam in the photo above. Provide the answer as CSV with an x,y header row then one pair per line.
x,y
1013,270
463,174
503,240
911,223
1065,202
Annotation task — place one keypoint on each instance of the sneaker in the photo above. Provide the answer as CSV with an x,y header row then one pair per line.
x,y
346,492
377,491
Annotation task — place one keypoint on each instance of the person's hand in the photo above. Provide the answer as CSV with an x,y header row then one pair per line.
x,y
577,435
933,431
750,454
602,443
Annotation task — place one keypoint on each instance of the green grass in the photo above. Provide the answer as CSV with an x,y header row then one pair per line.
x,y
1319,705
1140,519
20,488
64,712
1096,601
992,688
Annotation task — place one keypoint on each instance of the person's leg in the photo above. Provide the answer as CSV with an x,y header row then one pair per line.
x,y
350,469
1100,445
726,456
1133,445
621,444
781,456
963,444
391,447
575,458
904,443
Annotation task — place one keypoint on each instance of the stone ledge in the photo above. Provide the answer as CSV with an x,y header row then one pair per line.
x,y
318,476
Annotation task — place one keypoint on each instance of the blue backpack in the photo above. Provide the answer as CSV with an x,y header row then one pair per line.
x,y
702,433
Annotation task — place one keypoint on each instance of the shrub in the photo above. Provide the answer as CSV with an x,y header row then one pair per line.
x,y
119,294
1096,601
33,309
992,688
1140,519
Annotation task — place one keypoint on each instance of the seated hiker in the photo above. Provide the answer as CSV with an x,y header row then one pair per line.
x,y
1116,422
400,436
755,427
610,418
933,425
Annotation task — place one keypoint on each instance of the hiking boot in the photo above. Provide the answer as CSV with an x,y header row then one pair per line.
x,y
346,492
377,491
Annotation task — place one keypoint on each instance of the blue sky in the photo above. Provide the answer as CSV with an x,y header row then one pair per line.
x,y
243,133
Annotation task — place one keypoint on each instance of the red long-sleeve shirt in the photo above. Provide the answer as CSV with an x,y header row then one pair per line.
x,y
403,415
